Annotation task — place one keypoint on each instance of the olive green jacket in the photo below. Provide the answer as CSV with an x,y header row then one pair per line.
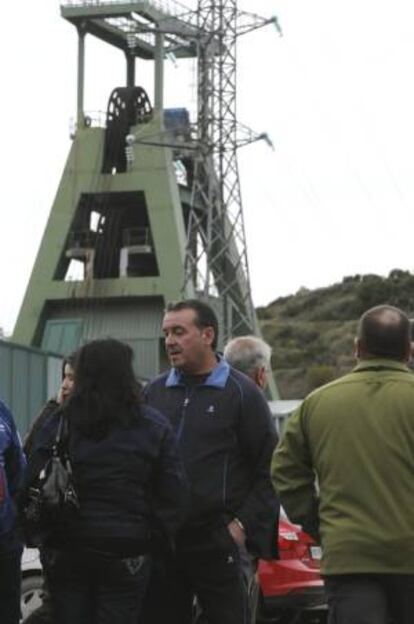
x,y
356,435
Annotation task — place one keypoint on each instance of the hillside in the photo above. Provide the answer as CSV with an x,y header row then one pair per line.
x,y
312,332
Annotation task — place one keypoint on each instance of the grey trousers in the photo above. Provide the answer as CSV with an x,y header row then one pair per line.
x,y
370,598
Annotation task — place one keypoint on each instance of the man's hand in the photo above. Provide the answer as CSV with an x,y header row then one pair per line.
x,y
237,533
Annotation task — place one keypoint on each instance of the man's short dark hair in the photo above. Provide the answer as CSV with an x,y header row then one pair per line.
x,y
205,315
384,331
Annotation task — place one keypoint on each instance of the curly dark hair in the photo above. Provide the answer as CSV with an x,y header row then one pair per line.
x,y
105,392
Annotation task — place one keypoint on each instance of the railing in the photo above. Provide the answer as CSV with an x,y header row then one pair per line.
x,y
95,119
136,236
132,37
81,239
171,7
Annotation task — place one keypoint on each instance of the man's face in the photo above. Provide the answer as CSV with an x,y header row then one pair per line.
x,y
67,382
188,346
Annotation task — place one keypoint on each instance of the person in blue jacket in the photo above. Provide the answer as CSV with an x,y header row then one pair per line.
x,y
12,464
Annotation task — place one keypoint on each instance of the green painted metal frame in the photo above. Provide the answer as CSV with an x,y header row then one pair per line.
x,y
153,174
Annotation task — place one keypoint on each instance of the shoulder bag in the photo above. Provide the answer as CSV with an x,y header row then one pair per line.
x,y
50,499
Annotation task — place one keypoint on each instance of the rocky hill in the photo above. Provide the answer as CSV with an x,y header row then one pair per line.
x,y
312,332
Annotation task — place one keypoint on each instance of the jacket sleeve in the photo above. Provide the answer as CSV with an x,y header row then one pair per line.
x,y
293,475
257,438
170,492
40,420
14,461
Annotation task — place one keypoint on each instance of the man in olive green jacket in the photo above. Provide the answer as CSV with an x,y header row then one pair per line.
x,y
356,437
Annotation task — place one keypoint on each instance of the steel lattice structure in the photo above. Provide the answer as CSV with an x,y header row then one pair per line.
x,y
216,258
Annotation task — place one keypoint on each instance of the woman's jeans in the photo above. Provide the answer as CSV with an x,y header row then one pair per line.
x,y
91,587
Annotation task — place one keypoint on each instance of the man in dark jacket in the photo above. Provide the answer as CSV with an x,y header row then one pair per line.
x,y
12,464
226,438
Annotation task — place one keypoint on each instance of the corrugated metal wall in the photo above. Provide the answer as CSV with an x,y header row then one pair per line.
x,y
136,322
28,378
138,318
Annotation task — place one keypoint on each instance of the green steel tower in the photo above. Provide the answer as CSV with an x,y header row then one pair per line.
x,y
148,209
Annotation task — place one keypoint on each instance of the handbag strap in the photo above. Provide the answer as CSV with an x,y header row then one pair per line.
x,y
59,431
62,436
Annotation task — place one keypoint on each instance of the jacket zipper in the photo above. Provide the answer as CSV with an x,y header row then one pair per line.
x,y
225,471
183,413
180,429
3,486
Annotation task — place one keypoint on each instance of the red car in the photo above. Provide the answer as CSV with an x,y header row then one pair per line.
x,y
290,589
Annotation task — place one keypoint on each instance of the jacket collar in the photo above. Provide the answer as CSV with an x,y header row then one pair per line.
x,y
380,363
216,379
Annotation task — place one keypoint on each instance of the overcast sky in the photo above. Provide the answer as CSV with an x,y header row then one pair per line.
x,y
335,94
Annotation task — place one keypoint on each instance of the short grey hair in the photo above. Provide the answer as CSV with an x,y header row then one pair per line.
x,y
248,353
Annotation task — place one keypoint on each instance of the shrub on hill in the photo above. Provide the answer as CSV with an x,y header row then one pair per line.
x,y
312,332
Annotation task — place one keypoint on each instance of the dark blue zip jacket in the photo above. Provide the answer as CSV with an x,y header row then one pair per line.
x,y
226,438
12,464
131,483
